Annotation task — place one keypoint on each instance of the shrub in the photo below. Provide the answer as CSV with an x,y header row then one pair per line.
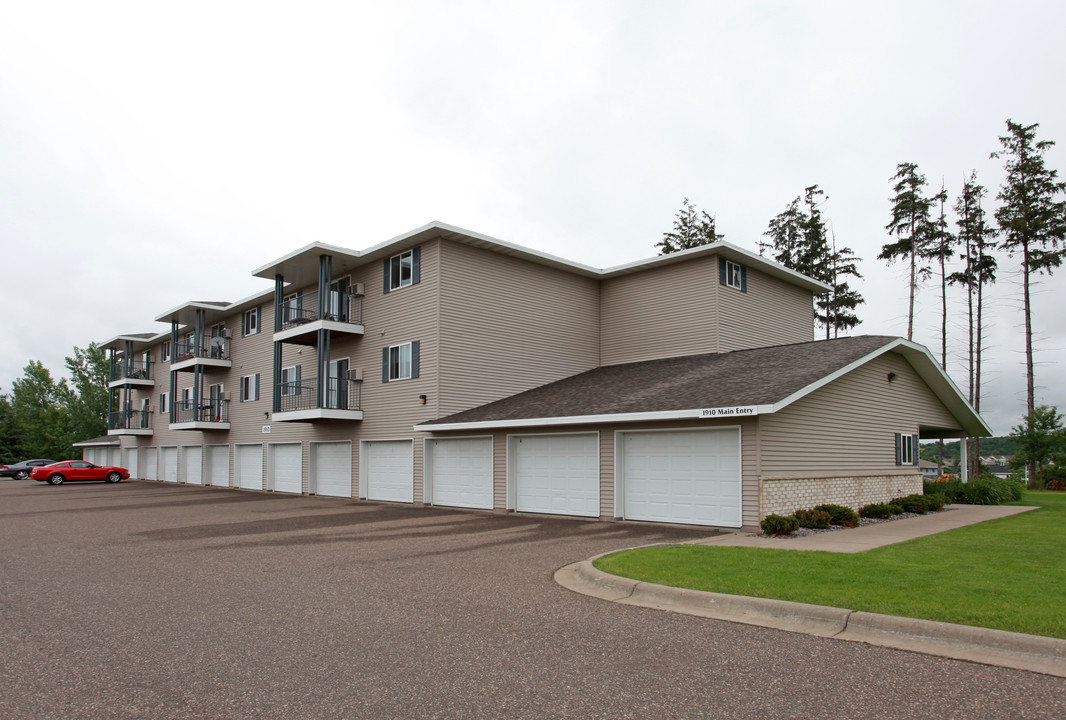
x,y
911,503
840,515
950,490
935,502
1055,485
990,490
779,524
814,519
879,510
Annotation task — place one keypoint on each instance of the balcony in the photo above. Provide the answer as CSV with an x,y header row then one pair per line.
x,y
211,352
129,422
130,372
300,321
299,401
211,414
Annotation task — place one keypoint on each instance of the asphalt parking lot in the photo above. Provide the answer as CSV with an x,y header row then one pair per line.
x,y
145,600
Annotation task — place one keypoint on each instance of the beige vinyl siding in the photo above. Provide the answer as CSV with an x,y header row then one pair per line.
x,y
771,312
507,325
848,427
662,312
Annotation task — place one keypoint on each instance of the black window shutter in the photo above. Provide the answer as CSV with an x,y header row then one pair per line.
x,y
384,364
414,358
914,448
298,388
743,279
416,267
387,277
721,271
899,448
256,386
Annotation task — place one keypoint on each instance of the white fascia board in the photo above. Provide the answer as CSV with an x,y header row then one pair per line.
x,y
687,414
267,271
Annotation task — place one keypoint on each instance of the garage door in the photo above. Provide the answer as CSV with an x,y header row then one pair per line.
x,y
688,476
217,466
170,464
461,472
114,457
250,467
331,469
557,474
192,465
151,464
390,471
285,467
131,462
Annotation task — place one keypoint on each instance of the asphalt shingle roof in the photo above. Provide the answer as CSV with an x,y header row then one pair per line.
x,y
759,376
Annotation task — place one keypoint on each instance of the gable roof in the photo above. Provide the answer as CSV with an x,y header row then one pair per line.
x,y
103,440
761,381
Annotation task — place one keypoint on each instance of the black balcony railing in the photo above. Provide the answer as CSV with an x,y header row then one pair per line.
x,y
131,369
340,394
215,348
129,420
210,410
341,306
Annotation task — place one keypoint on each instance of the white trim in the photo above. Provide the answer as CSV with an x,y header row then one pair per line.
x,y
316,325
686,414
199,425
316,414
207,362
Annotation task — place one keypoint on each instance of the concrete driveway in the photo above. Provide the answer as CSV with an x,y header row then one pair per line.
x,y
144,600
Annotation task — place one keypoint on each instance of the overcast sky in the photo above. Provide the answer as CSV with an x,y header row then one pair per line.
x,y
138,138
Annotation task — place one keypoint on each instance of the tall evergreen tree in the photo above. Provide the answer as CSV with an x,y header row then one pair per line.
x,y
842,300
977,239
913,230
692,228
786,236
1032,219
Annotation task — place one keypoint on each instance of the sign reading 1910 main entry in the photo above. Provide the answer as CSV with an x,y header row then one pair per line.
x,y
736,411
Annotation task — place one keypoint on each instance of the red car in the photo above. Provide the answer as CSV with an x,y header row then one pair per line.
x,y
60,472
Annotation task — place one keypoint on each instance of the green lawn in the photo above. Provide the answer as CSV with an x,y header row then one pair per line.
x,y
1008,574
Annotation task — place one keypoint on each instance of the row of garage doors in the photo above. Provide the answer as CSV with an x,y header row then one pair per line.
x,y
677,476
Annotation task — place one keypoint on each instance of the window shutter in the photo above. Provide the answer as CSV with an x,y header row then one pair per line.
x,y
255,382
414,358
743,279
387,278
899,448
416,270
297,380
721,270
384,364
914,448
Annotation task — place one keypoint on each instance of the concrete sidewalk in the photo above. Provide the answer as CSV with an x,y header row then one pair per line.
x,y
961,642
860,539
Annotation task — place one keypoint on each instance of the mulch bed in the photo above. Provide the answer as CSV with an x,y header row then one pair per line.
x,y
863,522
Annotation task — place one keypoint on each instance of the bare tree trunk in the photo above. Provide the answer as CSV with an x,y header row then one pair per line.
x,y
1030,395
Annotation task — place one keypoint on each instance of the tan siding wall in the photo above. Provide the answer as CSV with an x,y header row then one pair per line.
x,y
659,313
507,325
771,312
848,427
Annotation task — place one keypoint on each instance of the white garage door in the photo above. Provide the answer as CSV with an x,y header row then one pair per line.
x,y
461,472
192,465
131,462
114,457
558,474
151,464
331,469
218,465
390,473
170,464
684,476
285,467
250,467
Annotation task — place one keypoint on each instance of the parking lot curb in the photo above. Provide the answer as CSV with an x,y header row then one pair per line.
x,y
960,642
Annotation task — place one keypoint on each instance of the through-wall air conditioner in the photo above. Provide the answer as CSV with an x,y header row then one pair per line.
x,y
225,395
356,289
356,374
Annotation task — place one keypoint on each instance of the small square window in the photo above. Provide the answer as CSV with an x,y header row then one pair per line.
x,y
401,269
250,388
250,322
734,276
400,362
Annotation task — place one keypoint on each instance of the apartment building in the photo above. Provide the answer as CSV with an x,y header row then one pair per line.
x,y
445,367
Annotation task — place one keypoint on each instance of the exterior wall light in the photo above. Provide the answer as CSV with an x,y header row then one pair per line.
x,y
891,376
422,399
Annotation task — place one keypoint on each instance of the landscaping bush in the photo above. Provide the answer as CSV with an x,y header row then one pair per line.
x,y
935,502
1055,485
911,503
990,490
879,511
779,524
840,515
950,489
814,519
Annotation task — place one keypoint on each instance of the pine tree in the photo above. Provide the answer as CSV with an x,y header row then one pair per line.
x,y
911,225
1033,222
842,300
692,228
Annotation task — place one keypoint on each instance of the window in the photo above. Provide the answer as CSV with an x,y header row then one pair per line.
x,y
250,322
218,330
906,449
403,269
399,362
250,388
733,275
290,380
186,395
164,402
292,307
164,351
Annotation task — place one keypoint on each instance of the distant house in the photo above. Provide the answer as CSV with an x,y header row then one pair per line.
x,y
930,470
